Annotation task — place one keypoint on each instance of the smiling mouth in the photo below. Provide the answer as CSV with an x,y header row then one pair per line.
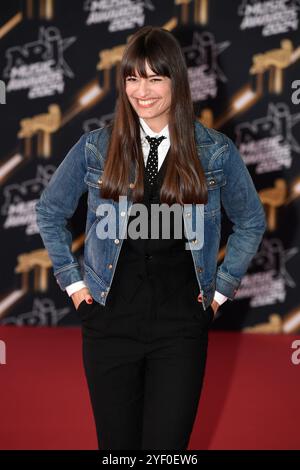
x,y
146,103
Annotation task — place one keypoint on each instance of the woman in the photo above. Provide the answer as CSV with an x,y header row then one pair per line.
x,y
146,309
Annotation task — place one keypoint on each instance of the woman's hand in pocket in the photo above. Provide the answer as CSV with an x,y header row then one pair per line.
x,y
215,306
82,295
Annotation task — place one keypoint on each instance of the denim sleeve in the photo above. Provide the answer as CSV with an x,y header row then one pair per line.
x,y
57,203
245,210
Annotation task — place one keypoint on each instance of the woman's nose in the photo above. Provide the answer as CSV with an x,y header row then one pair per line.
x,y
143,88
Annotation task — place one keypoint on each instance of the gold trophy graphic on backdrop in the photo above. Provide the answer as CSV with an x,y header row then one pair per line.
x,y
38,262
200,12
42,9
41,125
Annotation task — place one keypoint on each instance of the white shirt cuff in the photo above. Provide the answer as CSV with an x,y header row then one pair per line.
x,y
220,298
74,287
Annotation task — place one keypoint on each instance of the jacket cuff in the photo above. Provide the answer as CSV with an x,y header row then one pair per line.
x,y
226,284
67,275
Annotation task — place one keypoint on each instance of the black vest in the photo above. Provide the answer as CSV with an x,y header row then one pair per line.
x,y
165,261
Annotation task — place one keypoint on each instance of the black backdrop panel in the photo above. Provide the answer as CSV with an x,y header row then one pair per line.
x,y
243,61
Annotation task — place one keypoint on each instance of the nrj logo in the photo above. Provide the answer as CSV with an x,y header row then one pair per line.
x,y
120,14
2,92
40,65
2,352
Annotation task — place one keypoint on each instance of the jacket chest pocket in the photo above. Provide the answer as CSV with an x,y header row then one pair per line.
x,y
215,180
93,180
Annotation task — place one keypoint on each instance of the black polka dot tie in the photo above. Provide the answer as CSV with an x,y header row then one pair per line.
x,y
152,161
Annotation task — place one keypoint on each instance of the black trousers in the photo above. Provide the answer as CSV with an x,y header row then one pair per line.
x,y
144,359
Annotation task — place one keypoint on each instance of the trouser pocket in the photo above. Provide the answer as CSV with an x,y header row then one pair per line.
x,y
84,309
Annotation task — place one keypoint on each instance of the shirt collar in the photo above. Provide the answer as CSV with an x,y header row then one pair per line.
x,y
145,130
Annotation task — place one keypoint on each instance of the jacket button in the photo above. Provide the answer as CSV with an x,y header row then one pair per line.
x,y
123,213
131,185
100,181
117,241
199,269
110,266
103,294
211,182
195,241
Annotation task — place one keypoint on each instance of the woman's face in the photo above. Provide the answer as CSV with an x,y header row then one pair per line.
x,y
150,97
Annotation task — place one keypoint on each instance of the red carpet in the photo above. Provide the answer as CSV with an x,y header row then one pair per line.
x,y
250,398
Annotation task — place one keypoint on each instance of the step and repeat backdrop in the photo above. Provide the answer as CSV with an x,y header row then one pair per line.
x,y
58,66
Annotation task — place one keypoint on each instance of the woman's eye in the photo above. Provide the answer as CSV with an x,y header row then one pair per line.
x,y
130,79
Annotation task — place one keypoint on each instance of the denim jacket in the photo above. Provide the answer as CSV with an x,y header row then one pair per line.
x,y
229,184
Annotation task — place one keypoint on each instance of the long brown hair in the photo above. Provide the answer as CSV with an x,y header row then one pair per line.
x,y
184,180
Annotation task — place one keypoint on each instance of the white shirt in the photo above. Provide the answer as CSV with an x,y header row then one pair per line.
x,y
163,146
162,152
